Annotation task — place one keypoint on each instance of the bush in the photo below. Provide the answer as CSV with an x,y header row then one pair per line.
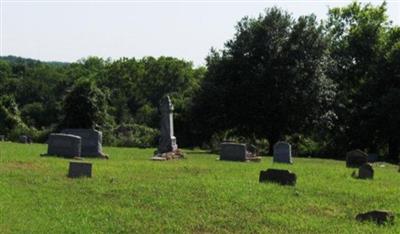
x,y
135,135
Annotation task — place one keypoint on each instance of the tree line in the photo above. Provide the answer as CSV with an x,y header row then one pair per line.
x,y
325,86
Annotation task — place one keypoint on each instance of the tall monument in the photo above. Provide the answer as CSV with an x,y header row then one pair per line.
x,y
167,139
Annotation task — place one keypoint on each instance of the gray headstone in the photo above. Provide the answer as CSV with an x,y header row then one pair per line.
x,y
79,169
65,145
356,158
2,137
91,141
23,139
283,152
233,152
372,157
282,177
366,171
167,139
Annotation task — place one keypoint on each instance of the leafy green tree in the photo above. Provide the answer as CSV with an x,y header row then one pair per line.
x,y
269,80
363,50
85,106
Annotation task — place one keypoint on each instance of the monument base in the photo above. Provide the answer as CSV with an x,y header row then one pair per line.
x,y
176,154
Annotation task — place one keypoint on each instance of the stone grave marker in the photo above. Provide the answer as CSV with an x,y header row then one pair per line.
x,y
282,177
233,152
23,139
167,147
2,137
366,171
378,216
356,158
79,169
167,139
283,152
372,157
65,145
91,141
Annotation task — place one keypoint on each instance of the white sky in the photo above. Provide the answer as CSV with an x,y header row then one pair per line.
x,y
69,30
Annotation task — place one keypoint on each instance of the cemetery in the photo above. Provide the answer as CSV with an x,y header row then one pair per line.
x,y
198,194
292,125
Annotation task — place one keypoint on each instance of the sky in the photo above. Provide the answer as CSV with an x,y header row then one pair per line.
x,y
67,31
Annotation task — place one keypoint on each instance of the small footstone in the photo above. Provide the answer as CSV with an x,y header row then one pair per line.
x,y
377,216
79,169
282,177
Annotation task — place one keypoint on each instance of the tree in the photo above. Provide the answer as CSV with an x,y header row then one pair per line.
x,y
366,70
269,79
85,106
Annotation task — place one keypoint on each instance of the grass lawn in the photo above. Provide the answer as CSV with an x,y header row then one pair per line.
x,y
131,194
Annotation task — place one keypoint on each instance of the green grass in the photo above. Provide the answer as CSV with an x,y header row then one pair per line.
x,y
131,194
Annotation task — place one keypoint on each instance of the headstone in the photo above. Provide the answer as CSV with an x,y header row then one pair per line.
x,y
65,145
282,177
366,171
233,152
91,141
356,158
2,137
283,152
79,169
372,157
167,139
23,139
377,216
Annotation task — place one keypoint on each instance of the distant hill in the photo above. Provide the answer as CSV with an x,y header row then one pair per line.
x,y
29,61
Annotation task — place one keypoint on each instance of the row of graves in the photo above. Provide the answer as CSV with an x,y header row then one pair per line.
x,y
77,143
282,153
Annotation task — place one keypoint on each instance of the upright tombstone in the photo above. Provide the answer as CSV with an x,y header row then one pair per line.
x,y
23,139
167,139
356,158
91,141
233,152
372,157
2,137
65,145
167,147
283,152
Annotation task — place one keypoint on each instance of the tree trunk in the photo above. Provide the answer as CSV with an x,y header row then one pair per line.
x,y
394,151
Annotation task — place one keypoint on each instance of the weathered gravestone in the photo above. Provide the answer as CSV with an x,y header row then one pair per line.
x,y
23,139
65,145
366,171
233,152
282,177
378,216
79,169
167,147
91,141
372,157
2,137
356,158
283,152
